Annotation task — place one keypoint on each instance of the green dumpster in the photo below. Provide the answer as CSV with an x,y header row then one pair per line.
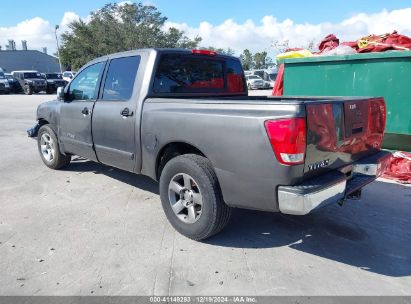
x,y
385,74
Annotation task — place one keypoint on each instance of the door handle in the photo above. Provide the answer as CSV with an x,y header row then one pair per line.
x,y
85,111
126,112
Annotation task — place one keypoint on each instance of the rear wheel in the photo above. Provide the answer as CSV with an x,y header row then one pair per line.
x,y
191,197
49,149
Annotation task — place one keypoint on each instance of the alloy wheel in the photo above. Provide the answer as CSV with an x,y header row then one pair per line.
x,y
185,198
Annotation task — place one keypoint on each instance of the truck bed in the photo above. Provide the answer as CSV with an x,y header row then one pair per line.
x,y
230,132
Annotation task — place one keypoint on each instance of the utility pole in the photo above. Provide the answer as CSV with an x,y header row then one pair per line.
x,y
58,48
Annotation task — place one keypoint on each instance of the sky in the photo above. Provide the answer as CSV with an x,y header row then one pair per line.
x,y
255,25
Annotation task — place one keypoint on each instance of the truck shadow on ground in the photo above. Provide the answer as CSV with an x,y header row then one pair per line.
x,y
139,181
373,234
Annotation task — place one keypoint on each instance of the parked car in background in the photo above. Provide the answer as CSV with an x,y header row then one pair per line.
x,y
13,83
254,82
30,81
68,75
54,80
183,117
268,75
4,84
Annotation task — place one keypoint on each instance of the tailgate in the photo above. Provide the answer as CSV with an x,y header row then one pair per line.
x,y
341,132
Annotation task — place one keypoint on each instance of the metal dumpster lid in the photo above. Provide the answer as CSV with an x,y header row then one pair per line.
x,y
359,56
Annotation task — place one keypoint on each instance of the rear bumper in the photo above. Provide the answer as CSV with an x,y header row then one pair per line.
x,y
33,131
331,187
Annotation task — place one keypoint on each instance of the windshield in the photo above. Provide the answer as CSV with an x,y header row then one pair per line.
x,y
53,76
259,73
2,75
253,77
31,75
272,76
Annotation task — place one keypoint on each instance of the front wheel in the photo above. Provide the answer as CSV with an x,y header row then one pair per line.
x,y
27,89
49,149
191,197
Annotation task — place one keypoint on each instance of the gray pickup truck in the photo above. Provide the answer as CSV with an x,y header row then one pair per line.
x,y
184,118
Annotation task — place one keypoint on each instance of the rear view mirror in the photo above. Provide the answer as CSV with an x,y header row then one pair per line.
x,y
60,93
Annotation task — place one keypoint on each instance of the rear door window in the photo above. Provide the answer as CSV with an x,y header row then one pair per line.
x,y
120,78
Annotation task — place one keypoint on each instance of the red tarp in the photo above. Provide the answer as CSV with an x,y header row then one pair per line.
x,y
400,167
372,43
278,89
382,43
328,43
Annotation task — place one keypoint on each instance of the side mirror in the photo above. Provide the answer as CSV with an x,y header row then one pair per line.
x,y
60,93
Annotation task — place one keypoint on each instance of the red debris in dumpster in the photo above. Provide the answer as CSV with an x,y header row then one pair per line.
x,y
328,43
371,43
399,168
382,43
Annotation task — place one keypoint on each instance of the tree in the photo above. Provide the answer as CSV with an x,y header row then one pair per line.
x,y
246,59
262,61
256,61
116,28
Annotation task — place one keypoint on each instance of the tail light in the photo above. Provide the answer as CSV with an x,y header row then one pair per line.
x,y
204,52
377,114
288,139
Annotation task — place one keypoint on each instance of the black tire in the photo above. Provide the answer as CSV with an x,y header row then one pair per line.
x,y
58,160
215,214
28,90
